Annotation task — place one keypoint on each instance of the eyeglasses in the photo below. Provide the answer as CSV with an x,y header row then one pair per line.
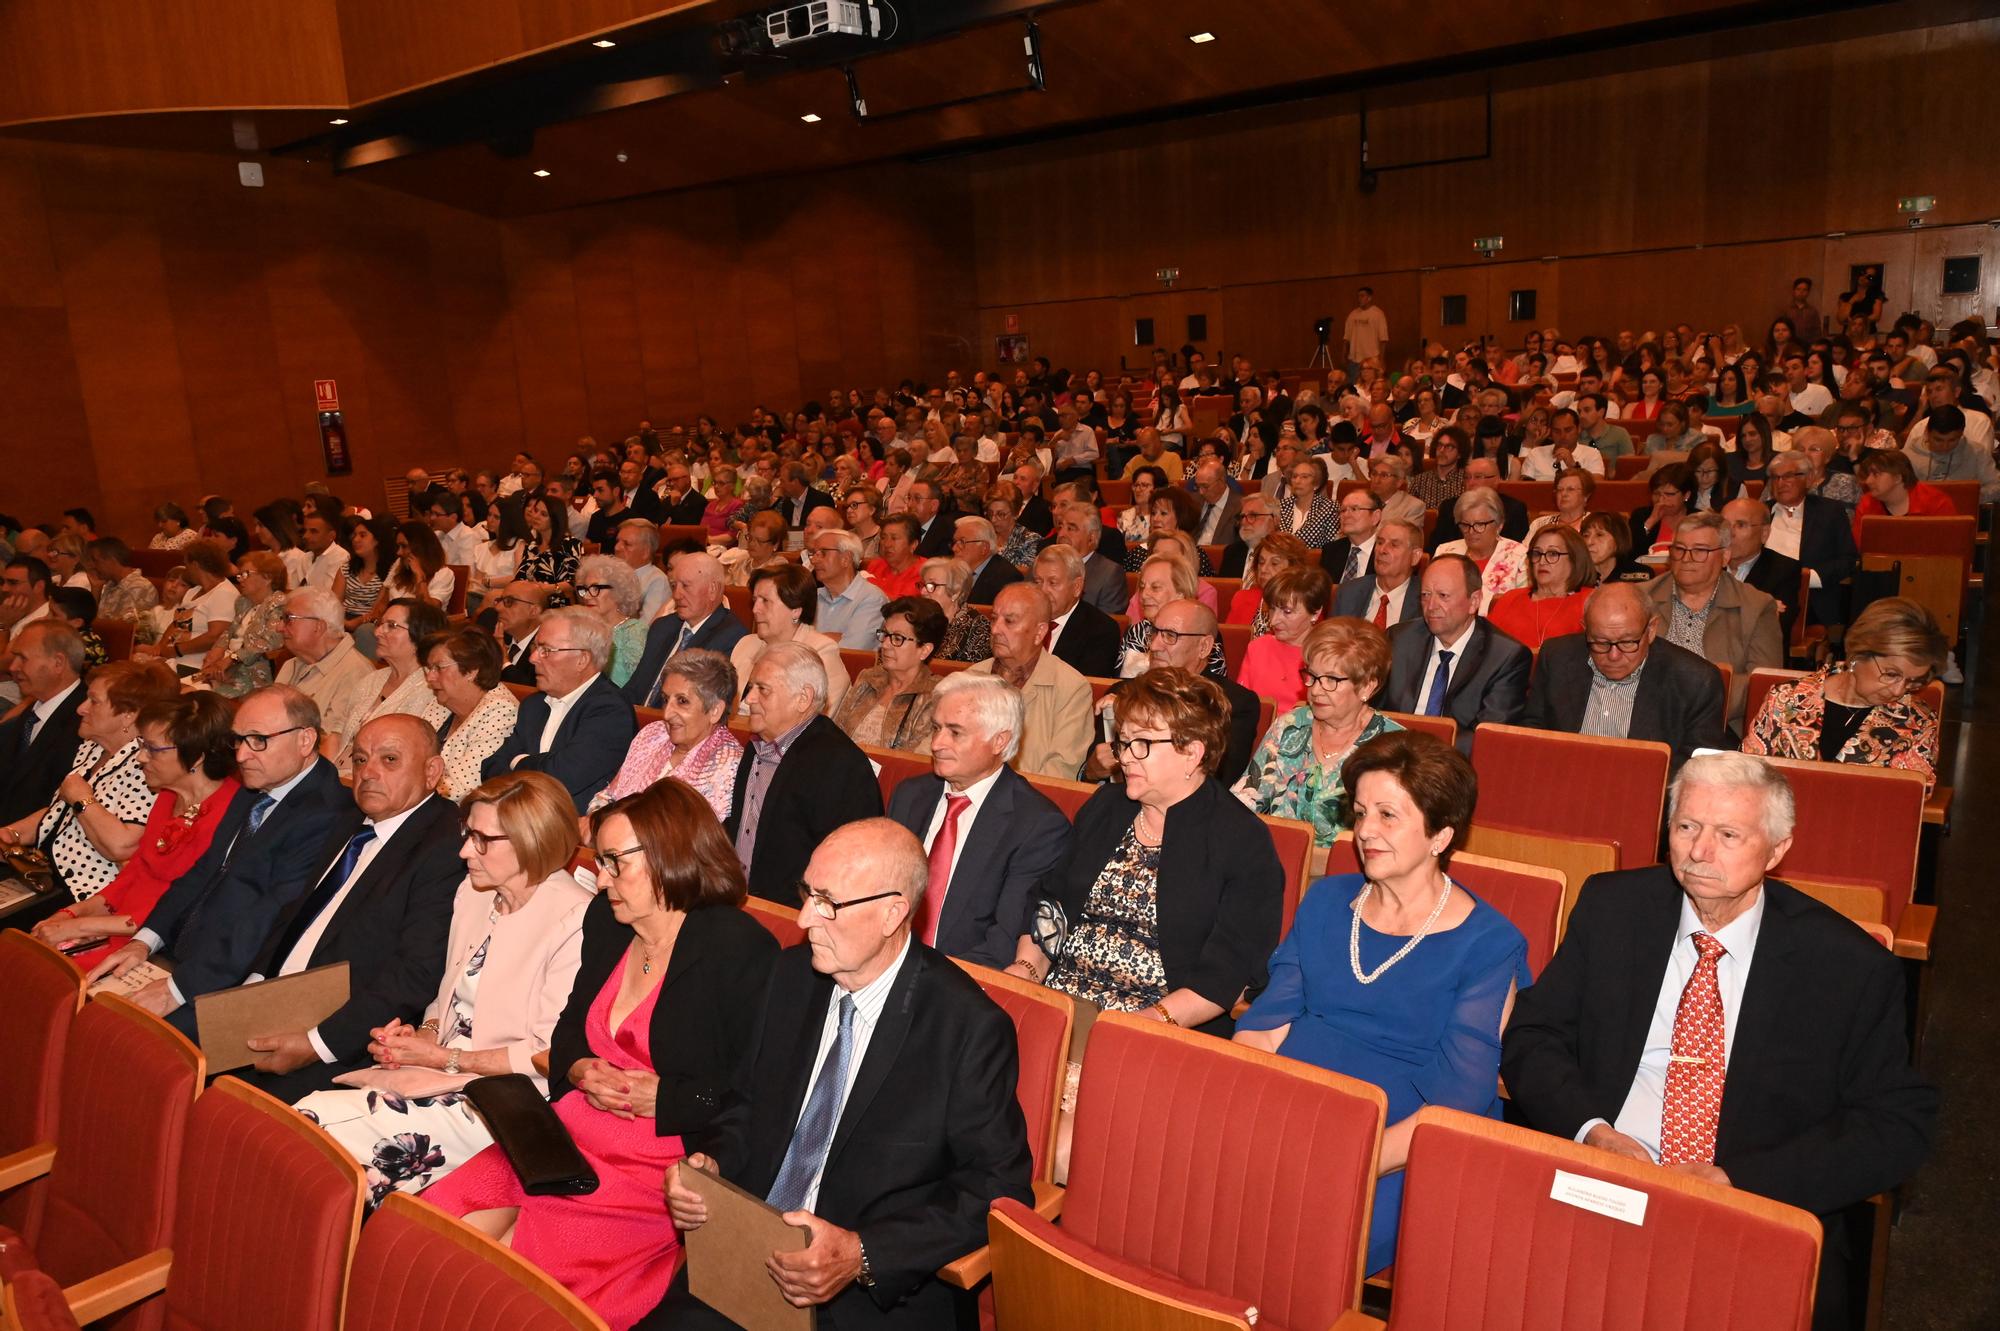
x,y
889,639
1328,682
157,749
929,587
1609,646
826,907
1548,556
1896,679
482,841
593,589
258,743
290,618
550,649
1679,551
386,625
1478,525
511,600
1138,747
614,861
1172,638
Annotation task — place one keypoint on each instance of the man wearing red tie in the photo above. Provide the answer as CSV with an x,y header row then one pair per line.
x,y
1726,1025
990,837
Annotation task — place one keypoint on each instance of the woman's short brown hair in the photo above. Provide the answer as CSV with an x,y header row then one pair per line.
x,y
1353,647
268,566
1291,549
1583,478
1186,706
795,587
1886,461
1187,510
1674,475
211,557
1580,567
1615,525
198,725
536,813
476,654
132,686
1898,626
1301,586
1437,776
689,857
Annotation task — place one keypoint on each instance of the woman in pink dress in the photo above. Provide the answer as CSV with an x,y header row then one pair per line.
x,y
669,987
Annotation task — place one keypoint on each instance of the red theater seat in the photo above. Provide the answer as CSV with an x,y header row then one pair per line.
x,y
1556,784
418,1269
40,993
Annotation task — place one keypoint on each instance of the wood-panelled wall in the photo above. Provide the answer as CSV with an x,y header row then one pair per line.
x,y
1262,213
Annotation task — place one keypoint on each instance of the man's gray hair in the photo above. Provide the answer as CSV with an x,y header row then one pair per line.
x,y
997,704
648,534
1740,771
1086,515
58,639
843,540
1398,466
586,630
317,603
801,668
1058,553
975,529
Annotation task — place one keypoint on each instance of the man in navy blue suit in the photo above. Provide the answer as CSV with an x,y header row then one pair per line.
x,y
578,727
699,620
989,835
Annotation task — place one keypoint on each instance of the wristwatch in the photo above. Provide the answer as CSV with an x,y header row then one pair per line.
x,y
866,1279
451,1064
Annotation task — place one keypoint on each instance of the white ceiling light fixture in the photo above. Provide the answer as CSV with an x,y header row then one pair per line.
x,y
810,118
604,43
542,172
1202,38
338,120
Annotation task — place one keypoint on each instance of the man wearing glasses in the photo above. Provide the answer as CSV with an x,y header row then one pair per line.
x,y
1616,679
518,608
578,727
1707,611
850,606
972,544
867,1025
327,667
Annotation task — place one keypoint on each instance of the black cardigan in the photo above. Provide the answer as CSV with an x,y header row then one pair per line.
x,y
700,1030
1221,889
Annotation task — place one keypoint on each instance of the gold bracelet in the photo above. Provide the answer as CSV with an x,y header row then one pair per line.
x,y
1161,1008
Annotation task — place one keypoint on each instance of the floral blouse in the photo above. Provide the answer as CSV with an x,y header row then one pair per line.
x,y
1506,570
257,635
969,637
554,565
1285,778
1898,734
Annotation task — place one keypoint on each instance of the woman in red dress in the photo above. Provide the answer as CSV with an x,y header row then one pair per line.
x,y
1552,602
670,985
186,756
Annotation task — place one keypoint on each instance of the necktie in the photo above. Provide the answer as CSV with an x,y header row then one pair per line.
x,y
1207,516
814,1134
29,722
260,811
943,847
1353,569
324,893
1440,681
1382,610
656,695
1695,1073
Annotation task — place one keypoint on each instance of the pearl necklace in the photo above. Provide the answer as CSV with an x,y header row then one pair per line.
x,y
1354,935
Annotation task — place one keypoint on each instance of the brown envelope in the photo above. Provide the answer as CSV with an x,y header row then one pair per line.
x,y
726,1256
229,1018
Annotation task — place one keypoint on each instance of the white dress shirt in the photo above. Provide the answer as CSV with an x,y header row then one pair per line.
x,y
869,1000
558,709
653,585
326,567
1395,598
1457,650
43,710
1639,1118
977,793
1361,554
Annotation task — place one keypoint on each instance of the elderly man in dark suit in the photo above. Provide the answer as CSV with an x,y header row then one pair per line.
x,y
1386,595
1078,526
579,725
990,836
879,1110
1722,1023
38,744
265,855
1753,563
1454,663
1617,679
800,776
700,619
1814,530
518,609
1080,633
972,543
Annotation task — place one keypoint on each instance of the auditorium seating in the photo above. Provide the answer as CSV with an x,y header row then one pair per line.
x,y
40,993
1937,805
1505,1229
1855,845
1529,895
1557,784
782,923
419,1269
1160,1138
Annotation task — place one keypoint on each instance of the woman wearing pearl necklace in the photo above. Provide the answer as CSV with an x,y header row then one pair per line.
x,y
1396,975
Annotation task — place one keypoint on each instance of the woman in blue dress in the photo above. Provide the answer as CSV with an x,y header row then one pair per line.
x,y
1397,976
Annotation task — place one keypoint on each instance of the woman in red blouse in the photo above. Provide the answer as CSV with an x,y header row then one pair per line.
x,y
185,754
1552,602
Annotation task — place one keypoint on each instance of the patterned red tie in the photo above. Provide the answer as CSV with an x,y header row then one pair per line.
x,y
1695,1073
1381,610
943,846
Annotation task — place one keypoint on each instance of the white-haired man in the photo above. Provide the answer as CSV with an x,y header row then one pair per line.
x,y
699,620
579,725
850,606
636,544
327,667
990,837
1055,736
973,542
1720,1022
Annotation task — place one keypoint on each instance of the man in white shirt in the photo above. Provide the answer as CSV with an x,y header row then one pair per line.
x,y
1075,444
329,557
637,544
579,725
327,667
1366,331
1941,390
1807,397
459,541
1387,595
1564,451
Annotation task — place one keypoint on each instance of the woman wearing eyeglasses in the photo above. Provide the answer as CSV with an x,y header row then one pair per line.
x,y
1551,605
889,704
670,982
610,589
400,685
1503,563
1295,772
516,937
692,742
967,634
1864,711
241,661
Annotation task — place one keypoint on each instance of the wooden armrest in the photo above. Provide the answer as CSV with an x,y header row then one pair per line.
x,y
26,1165
122,1286
1354,1320
1913,932
976,1267
1937,806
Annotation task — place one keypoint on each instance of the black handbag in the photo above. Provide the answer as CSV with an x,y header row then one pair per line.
x,y
536,1143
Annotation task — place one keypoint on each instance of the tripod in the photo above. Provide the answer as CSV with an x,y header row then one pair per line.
x,y
1321,359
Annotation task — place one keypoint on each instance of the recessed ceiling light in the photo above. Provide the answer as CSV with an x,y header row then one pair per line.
x,y
604,43
542,173
338,120
1202,38
810,118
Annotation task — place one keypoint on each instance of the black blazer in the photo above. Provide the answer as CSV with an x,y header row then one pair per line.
x,y
1357,598
28,781
1018,837
1679,699
643,503
1826,546
1089,642
1244,709
929,1136
794,511
823,782
998,573
1037,516
687,513
1333,558
934,541
1104,585
1820,1108
521,671
699,1031
1235,557
589,745
391,930
1490,684
216,917
720,632
1777,576
1513,525
1221,889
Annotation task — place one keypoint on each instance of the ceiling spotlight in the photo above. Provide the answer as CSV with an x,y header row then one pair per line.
x,y
542,173
810,118
338,120
621,157
1202,38
604,43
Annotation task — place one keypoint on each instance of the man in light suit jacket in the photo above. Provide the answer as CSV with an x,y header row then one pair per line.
x,y
1454,663
1676,701
700,619
38,746
1816,1104
264,856
1056,732
991,837
1084,636
893,1177
382,904
579,726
